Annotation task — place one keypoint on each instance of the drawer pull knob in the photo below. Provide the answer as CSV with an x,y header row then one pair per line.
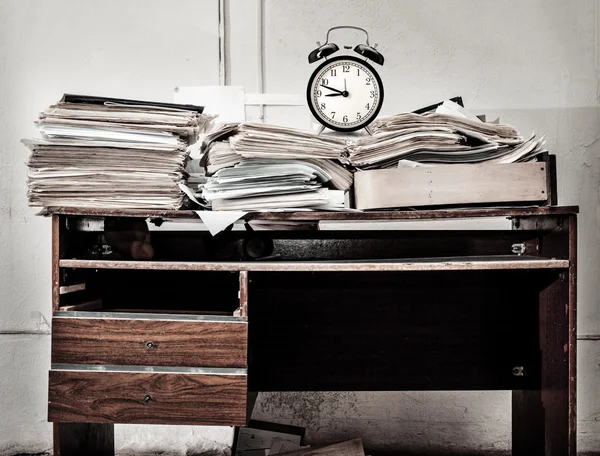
x,y
149,345
147,399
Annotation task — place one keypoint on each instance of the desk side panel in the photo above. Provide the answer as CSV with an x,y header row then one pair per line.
x,y
544,420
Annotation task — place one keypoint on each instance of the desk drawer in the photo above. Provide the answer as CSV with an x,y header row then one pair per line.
x,y
117,395
149,340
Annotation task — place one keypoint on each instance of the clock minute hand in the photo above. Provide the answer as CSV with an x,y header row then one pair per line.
x,y
331,88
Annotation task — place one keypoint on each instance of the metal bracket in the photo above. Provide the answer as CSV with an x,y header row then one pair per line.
x,y
518,249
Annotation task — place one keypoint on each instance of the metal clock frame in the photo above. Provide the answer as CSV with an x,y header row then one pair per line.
x,y
315,73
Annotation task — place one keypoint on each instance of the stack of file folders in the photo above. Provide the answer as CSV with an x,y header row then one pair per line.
x,y
112,153
258,166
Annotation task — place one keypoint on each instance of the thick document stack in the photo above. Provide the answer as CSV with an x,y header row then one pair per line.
x,y
259,167
115,153
438,138
446,156
271,184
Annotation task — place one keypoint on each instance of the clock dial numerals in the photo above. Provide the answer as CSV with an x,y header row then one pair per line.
x,y
345,94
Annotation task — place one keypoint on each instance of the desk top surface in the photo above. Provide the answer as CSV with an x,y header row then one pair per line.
x,y
327,216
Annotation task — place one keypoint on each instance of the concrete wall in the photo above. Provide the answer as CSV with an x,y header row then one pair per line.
x,y
534,64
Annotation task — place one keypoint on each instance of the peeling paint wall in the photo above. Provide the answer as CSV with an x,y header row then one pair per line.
x,y
535,64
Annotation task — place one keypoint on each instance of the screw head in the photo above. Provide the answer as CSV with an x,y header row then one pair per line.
x,y
149,345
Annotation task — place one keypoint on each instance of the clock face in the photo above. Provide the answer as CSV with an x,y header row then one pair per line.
x,y
345,93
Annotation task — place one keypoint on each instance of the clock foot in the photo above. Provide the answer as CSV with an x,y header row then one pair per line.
x,y
320,130
369,130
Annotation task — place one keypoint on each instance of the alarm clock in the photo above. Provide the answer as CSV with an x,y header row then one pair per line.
x,y
345,92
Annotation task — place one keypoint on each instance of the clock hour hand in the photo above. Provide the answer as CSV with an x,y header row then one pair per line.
x,y
335,94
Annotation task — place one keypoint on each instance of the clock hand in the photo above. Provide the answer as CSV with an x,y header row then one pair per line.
x,y
331,88
335,94
344,84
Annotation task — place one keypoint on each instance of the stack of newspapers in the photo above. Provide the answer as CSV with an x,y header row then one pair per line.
x,y
112,153
258,166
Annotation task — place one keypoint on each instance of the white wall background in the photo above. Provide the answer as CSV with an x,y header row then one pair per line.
x,y
535,64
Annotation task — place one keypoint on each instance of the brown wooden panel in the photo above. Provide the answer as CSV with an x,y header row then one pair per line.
x,y
244,293
146,398
544,421
477,263
371,215
149,342
56,247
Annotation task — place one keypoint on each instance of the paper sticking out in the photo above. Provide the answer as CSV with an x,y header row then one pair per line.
x,y
454,109
217,221
190,193
228,102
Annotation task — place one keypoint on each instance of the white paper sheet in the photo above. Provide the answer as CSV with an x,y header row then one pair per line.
x,y
226,101
217,221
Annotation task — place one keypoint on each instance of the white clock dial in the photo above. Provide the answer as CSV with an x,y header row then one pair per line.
x,y
345,94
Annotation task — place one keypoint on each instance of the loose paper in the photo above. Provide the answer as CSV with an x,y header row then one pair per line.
x,y
217,221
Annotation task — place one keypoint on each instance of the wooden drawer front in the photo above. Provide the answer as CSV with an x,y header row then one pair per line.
x,y
146,398
149,342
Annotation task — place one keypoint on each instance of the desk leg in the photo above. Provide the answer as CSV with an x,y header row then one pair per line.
x,y
527,423
90,439
541,418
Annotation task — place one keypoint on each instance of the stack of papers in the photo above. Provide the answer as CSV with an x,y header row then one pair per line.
x,y
448,135
112,153
220,155
259,167
270,141
271,184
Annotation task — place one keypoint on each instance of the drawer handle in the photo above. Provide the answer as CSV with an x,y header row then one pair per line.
x,y
149,345
147,399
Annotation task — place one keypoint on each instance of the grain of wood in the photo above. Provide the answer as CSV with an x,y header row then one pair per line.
x,y
326,216
147,398
423,264
55,262
243,293
149,342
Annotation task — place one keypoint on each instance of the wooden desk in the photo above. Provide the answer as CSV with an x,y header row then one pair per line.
x,y
187,337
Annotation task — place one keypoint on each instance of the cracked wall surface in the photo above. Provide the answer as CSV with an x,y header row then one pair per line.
x,y
534,64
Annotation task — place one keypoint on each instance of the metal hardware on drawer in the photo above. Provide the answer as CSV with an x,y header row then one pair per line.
x,y
518,371
149,345
147,399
